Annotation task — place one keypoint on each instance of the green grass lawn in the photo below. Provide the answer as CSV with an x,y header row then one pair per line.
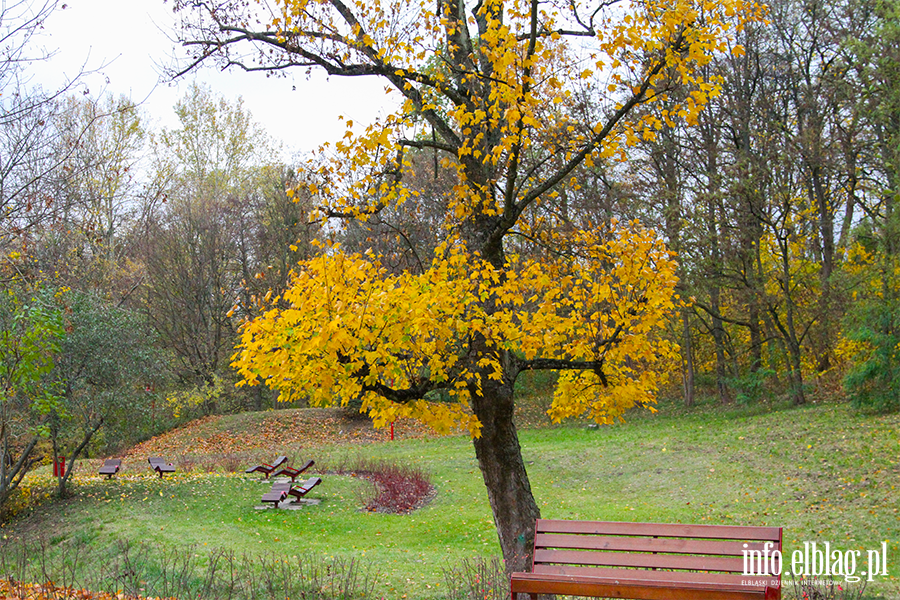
x,y
824,473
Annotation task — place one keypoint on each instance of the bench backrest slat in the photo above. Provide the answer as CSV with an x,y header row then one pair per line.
x,y
645,544
718,580
722,532
641,561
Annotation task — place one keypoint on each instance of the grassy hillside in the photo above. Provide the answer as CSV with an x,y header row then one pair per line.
x,y
824,473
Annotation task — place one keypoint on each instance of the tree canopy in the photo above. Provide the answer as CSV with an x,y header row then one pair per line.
x,y
517,97
352,329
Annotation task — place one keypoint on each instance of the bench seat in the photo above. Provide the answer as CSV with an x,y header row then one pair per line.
x,y
274,497
654,585
303,489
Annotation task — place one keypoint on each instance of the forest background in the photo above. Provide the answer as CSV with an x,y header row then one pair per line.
x,y
131,256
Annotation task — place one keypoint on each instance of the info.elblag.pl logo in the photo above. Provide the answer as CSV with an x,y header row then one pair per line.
x,y
816,560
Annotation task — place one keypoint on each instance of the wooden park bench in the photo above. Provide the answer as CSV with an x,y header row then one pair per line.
x,y
298,491
651,561
110,467
159,465
280,491
293,472
277,494
267,469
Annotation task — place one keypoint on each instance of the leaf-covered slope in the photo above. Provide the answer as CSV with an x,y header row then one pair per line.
x,y
273,431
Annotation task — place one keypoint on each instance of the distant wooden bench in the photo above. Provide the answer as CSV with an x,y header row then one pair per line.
x,y
277,494
159,465
280,491
110,467
298,491
651,561
293,472
267,469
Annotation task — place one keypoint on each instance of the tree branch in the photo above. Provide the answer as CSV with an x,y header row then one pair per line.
x,y
422,144
511,217
594,143
559,364
717,315
509,200
400,396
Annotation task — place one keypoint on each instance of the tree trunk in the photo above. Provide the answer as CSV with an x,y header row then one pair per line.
x,y
789,330
718,333
714,219
89,432
257,398
12,472
687,352
500,460
798,395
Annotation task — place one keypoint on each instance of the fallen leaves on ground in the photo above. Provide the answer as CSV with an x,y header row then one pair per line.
x,y
275,430
17,590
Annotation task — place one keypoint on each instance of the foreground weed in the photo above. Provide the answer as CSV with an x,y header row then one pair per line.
x,y
815,588
139,570
477,579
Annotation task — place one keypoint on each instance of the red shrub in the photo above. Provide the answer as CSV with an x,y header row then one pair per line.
x,y
396,489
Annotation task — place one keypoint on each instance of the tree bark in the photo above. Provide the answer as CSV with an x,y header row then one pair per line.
x,y
687,352
62,491
503,470
718,331
11,473
789,330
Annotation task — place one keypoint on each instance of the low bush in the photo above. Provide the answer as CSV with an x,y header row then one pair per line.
x,y
231,463
187,463
141,570
396,489
818,588
202,463
478,579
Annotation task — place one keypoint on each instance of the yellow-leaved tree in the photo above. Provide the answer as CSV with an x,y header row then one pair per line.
x,y
518,98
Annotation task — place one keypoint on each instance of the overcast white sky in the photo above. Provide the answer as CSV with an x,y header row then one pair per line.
x,y
131,38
